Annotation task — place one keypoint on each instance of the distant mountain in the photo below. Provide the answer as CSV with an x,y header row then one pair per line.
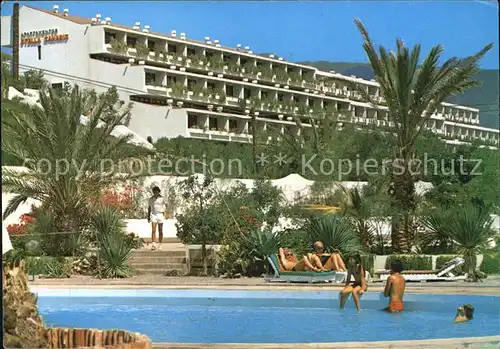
x,y
485,98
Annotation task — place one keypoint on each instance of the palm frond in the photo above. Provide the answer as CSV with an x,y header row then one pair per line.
x,y
13,204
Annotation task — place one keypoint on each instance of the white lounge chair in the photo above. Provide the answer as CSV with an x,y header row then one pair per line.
x,y
305,276
442,274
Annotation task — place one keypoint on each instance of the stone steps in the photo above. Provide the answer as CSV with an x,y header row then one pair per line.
x,y
170,260
144,266
159,259
158,253
162,272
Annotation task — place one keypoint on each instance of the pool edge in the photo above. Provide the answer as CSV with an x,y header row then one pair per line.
x,y
424,343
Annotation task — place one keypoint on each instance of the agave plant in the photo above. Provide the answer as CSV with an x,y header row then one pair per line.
x,y
263,243
334,231
469,228
114,252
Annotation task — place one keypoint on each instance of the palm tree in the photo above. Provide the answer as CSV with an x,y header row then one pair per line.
x,y
468,228
68,163
358,213
319,140
413,93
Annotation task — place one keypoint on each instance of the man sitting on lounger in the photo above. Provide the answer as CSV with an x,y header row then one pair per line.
x,y
395,288
334,261
291,263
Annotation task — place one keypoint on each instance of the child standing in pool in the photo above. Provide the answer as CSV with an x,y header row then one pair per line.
x,y
395,288
356,271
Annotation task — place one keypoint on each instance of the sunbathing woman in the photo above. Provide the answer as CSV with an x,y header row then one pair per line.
x,y
356,287
291,263
334,260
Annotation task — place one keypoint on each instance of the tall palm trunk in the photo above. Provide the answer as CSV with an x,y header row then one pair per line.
x,y
402,232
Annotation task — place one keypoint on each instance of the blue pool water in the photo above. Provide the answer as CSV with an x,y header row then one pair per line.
x,y
207,316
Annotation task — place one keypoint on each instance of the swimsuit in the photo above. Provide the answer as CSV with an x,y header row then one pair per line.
x,y
396,306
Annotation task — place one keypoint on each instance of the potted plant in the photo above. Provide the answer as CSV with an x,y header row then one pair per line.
x,y
142,50
118,46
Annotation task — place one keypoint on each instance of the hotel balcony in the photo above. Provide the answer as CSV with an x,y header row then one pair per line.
x,y
232,127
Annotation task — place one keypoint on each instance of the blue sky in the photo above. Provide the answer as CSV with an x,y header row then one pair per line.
x,y
301,31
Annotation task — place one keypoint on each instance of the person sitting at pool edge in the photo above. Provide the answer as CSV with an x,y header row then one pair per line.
x,y
358,286
334,262
291,263
395,288
464,313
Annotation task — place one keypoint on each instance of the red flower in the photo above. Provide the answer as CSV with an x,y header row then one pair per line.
x,y
15,230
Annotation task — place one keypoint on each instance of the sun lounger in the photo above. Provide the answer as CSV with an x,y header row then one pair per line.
x,y
279,275
442,274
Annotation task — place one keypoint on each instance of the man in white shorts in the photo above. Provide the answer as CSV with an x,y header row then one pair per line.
x,y
156,215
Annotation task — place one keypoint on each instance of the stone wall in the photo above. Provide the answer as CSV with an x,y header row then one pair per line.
x,y
96,339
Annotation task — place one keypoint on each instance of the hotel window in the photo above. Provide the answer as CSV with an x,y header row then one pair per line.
x,y
233,125
58,87
131,41
247,93
229,90
39,52
226,58
263,94
191,83
296,99
212,123
150,78
310,102
108,36
280,97
171,80
151,45
192,121
259,64
172,48
243,61
191,52
209,54
210,86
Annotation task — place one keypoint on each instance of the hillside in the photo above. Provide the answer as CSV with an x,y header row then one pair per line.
x,y
485,97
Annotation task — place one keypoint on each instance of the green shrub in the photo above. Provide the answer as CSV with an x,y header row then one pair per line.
x,y
368,262
334,232
443,259
411,262
491,263
56,267
297,241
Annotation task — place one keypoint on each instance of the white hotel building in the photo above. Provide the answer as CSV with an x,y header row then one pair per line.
x,y
201,89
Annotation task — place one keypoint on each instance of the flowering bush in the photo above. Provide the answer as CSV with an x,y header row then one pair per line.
x,y
249,223
16,230
126,200
134,241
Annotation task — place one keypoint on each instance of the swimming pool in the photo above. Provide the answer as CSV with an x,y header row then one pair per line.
x,y
227,316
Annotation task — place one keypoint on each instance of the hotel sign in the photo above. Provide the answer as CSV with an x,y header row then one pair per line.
x,y
47,35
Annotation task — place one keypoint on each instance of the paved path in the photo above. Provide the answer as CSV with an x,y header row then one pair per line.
x,y
490,286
